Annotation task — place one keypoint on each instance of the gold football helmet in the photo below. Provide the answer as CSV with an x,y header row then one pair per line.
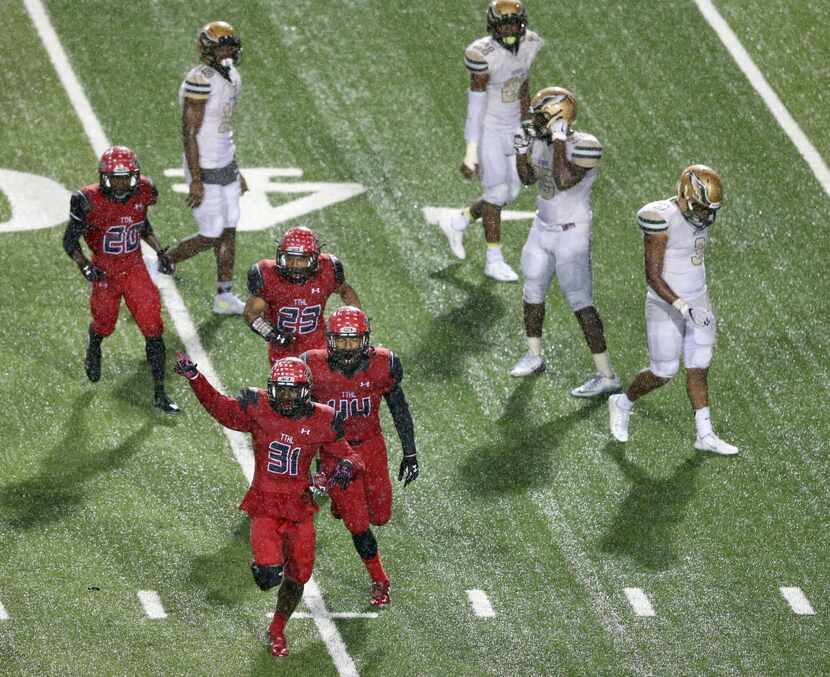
x,y
551,104
500,15
701,190
218,34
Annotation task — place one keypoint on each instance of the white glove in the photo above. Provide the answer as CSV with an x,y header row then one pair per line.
x,y
559,129
521,141
700,316
471,156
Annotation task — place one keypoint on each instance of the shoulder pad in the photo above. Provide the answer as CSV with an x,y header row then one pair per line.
x,y
256,281
249,397
587,151
475,59
653,217
339,272
79,206
196,85
395,368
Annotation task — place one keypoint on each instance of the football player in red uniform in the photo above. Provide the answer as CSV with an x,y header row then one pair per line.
x,y
289,294
287,430
112,219
351,376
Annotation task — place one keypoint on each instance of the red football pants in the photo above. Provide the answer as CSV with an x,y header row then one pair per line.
x,y
139,293
368,499
278,541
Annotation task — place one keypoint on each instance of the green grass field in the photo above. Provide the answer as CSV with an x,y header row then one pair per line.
x,y
523,493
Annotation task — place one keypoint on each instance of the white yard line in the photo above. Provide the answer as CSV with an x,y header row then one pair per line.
x,y
639,601
4,615
151,602
345,615
798,601
481,604
759,82
177,310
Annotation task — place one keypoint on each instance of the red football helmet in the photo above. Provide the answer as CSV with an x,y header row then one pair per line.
x,y
119,161
348,322
298,254
289,387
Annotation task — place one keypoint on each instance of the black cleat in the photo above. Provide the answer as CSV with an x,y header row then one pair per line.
x,y
168,406
92,363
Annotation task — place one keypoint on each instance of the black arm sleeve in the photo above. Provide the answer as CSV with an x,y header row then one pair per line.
x,y
255,280
339,273
399,408
78,209
146,228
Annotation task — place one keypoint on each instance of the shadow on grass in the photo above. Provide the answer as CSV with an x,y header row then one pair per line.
x,y
524,453
225,575
644,526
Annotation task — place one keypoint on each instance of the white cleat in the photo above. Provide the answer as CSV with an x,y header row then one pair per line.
x,y
528,364
597,385
228,304
618,419
455,235
715,444
499,270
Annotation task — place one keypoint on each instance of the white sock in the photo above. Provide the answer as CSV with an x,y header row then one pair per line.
x,y
603,364
494,253
703,422
624,402
534,343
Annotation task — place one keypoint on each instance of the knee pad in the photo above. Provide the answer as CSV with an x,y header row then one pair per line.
x,y
497,195
533,292
365,544
513,191
267,577
700,358
579,299
666,369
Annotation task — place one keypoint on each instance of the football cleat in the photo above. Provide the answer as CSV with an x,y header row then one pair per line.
x,y
380,593
163,402
528,364
228,303
715,444
597,385
499,270
279,647
455,235
92,362
618,419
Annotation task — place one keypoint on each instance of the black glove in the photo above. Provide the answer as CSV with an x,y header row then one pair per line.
x,y
165,265
271,334
185,367
92,272
343,473
408,469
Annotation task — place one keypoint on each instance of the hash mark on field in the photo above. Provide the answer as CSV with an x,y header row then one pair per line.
x,y
4,615
151,602
639,601
481,604
798,601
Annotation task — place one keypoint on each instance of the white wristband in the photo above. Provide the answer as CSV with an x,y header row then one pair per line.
x,y
261,327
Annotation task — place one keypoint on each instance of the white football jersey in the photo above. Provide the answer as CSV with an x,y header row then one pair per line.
x,y
556,207
215,137
683,268
507,72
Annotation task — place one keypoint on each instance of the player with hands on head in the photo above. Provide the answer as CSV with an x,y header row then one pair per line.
x,y
287,430
497,100
565,164
352,376
288,294
112,219
679,315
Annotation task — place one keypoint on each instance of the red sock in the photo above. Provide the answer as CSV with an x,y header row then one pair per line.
x,y
277,625
375,568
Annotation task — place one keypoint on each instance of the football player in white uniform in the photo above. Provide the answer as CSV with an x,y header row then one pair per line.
x,y
208,96
679,317
497,101
565,164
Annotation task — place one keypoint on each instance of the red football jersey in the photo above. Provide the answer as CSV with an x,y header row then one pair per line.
x,y
283,448
356,397
114,229
297,308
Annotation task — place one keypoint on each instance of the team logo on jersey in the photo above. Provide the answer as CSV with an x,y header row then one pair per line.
x,y
315,290
365,384
305,431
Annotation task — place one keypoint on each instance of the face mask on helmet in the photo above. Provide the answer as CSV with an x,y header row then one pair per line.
x,y
507,23
289,388
298,254
119,173
700,191
220,45
347,336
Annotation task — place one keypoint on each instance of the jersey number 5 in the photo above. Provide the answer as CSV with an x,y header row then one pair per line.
x,y
283,460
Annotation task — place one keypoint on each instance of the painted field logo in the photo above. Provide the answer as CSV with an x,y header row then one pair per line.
x,y
36,202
